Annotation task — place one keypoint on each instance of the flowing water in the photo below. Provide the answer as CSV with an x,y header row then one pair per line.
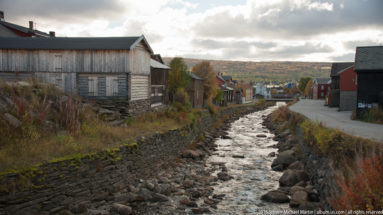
x,y
252,174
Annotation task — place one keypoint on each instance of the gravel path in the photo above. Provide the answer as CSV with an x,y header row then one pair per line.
x,y
330,117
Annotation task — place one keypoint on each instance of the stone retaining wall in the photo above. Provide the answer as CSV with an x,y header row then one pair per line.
x,y
125,107
69,184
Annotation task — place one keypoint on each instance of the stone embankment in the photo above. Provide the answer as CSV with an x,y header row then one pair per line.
x,y
162,174
308,180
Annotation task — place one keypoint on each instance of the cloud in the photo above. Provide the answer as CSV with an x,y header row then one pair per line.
x,y
293,19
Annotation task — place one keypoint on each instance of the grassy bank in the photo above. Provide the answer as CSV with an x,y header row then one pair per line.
x,y
52,125
357,161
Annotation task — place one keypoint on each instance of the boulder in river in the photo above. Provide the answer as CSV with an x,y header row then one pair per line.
x,y
276,197
261,135
298,198
238,156
285,158
296,165
292,177
224,176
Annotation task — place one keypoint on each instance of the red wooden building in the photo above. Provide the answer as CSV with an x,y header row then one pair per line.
x,y
319,88
348,88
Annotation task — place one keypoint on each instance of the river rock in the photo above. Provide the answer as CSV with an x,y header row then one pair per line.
x,y
184,200
278,168
224,176
298,198
271,154
296,165
238,156
200,210
285,158
276,197
121,209
13,121
157,197
261,135
292,177
194,154
296,188
188,183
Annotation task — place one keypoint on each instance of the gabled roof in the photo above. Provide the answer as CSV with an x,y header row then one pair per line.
x,y
226,77
24,29
345,69
322,80
157,65
193,76
369,58
73,43
5,32
337,67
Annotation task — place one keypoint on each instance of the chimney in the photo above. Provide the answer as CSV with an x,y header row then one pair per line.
x,y
52,34
1,15
31,25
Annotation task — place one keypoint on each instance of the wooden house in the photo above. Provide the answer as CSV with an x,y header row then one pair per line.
x,y
195,90
369,69
8,29
319,88
247,93
159,73
100,68
347,87
227,90
334,94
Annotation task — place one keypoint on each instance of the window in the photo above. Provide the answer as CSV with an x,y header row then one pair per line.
x,y
92,86
111,86
321,94
57,63
322,87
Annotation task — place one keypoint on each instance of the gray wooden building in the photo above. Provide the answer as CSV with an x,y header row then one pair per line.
x,y
101,68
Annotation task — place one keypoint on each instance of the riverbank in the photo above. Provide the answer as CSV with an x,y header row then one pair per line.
x,y
129,179
342,172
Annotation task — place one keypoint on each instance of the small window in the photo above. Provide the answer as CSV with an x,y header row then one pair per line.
x,y
322,87
92,84
111,86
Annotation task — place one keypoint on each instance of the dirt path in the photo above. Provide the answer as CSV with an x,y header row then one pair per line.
x,y
330,117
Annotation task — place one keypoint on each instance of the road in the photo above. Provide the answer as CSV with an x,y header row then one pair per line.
x,y
332,118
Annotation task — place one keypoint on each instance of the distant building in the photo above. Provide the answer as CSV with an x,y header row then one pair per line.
x,y
195,90
159,81
247,93
228,91
8,29
261,89
319,88
334,94
369,69
348,89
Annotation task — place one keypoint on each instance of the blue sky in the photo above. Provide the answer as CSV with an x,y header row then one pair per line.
x,y
247,30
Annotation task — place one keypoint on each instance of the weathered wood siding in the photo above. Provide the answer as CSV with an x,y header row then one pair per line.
x,y
139,87
78,61
140,60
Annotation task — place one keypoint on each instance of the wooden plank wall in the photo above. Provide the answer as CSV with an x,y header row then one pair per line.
x,y
139,87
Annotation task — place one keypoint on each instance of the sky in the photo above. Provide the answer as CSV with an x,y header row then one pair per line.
x,y
245,30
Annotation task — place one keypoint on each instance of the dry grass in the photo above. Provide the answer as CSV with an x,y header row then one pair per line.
x,y
74,128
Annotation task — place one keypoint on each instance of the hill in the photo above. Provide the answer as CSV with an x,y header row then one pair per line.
x,y
265,71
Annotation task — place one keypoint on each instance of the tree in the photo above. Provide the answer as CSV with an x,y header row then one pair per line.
x,y
206,71
302,83
307,91
178,78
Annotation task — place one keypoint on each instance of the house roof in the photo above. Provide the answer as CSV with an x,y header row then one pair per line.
x,y
194,76
322,80
72,43
24,29
5,32
369,58
337,67
345,69
226,77
157,65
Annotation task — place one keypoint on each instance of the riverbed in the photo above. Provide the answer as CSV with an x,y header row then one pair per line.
x,y
245,155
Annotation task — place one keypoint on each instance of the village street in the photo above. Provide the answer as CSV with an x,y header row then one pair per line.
x,y
330,117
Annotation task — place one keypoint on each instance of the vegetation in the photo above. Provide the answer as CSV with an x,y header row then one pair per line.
x,y
302,83
308,88
265,71
54,125
373,115
218,98
206,71
357,161
178,77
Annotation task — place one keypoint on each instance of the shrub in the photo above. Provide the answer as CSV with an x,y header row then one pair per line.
x,y
181,96
69,114
364,191
374,115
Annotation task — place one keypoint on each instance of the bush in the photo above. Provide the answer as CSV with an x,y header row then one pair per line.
x,y
181,96
374,115
364,191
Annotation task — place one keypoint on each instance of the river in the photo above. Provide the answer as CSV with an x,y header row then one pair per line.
x,y
246,158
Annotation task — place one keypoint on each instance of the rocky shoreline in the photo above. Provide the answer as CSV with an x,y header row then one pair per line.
x,y
297,185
